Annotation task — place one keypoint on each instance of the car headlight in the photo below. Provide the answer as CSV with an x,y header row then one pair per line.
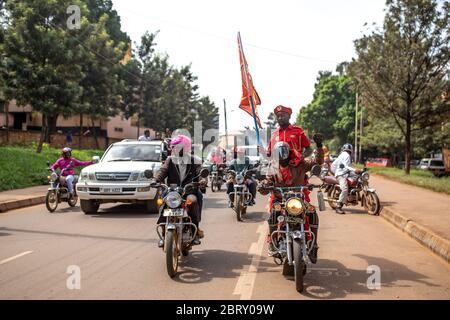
x,y
134,176
294,206
240,179
84,175
365,176
53,176
173,200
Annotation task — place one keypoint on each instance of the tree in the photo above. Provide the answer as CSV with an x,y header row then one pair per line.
x,y
331,111
44,58
401,70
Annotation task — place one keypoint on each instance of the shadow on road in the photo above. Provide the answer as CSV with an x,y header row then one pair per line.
x,y
332,280
204,266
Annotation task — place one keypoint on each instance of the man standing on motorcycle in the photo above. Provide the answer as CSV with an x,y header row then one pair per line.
x,y
342,169
287,169
293,135
181,168
240,163
68,163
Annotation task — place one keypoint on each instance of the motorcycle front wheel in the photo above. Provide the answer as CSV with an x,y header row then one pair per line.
x,y
51,200
238,209
332,195
73,201
213,185
171,253
299,266
372,204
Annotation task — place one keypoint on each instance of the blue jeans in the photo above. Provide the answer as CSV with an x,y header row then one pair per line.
x,y
69,183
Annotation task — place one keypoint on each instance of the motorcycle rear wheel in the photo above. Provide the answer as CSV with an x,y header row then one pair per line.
x,y
372,204
171,253
331,194
73,201
299,266
51,200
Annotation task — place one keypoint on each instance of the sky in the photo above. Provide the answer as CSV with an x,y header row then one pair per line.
x,y
286,44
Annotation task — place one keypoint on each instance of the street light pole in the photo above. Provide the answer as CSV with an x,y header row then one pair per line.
x,y
356,128
226,126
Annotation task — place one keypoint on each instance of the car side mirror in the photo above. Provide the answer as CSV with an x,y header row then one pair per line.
x,y
96,159
316,170
204,173
148,174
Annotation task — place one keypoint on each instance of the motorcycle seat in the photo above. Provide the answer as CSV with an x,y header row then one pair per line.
x,y
330,180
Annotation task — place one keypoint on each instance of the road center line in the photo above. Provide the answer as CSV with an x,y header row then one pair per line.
x,y
15,257
246,281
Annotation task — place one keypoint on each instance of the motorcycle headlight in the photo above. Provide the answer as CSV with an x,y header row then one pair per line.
x,y
173,200
240,179
54,177
365,176
214,167
294,206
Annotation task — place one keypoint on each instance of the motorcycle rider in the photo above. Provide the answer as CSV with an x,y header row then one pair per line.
x,y
181,168
67,162
342,169
287,169
240,163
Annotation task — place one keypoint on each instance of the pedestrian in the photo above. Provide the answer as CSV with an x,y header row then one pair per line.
x,y
145,136
69,138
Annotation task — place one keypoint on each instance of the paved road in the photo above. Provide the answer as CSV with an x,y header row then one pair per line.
x,y
118,257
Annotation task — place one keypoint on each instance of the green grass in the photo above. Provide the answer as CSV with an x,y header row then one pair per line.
x,y
419,178
22,167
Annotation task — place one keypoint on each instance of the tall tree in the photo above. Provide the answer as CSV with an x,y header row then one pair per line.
x,y
401,69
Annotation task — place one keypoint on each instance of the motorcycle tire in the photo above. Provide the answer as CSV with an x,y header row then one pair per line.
x,y
213,186
185,252
287,269
73,201
170,246
89,206
373,201
299,266
331,195
219,187
52,200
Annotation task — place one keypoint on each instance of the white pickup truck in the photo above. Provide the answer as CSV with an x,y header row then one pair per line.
x,y
119,176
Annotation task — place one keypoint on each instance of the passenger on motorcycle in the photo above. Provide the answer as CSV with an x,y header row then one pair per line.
x,y
65,163
342,169
181,168
238,164
288,168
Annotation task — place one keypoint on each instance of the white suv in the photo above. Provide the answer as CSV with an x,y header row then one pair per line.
x,y
119,176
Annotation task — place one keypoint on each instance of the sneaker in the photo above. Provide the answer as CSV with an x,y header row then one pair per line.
x,y
230,204
160,243
339,210
196,241
200,233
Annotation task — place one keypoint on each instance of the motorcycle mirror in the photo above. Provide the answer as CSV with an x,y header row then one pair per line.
x,y
95,159
315,171
148,174
204,173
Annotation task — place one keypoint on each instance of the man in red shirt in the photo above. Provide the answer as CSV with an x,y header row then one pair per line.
x,y
293,135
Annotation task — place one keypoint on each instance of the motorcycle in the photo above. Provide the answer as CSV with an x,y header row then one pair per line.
x,y
178,232
58,190
216,178
359,191
241,194
293,240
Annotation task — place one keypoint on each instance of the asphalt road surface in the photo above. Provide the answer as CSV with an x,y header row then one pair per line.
x,y
116,255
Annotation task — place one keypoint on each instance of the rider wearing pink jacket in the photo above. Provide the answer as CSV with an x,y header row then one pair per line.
x,y
64,163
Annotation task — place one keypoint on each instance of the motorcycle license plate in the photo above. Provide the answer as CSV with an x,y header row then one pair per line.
x,y
110,190
173,212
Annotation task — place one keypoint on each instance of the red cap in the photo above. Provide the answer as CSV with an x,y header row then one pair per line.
x,y
282,108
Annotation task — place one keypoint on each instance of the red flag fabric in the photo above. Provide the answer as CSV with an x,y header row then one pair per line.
x,y
245,101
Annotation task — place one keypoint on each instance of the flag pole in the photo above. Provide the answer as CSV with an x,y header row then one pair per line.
x,y
250,97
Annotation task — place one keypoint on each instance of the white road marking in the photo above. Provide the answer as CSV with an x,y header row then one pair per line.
x,y
246,281
15,257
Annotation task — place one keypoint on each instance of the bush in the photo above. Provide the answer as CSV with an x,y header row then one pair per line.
x,y
22,167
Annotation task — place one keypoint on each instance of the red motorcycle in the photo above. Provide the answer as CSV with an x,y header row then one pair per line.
x,y
359,191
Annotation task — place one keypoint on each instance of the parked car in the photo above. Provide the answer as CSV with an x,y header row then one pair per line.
x,y
412,164
434,165
119,176
378,162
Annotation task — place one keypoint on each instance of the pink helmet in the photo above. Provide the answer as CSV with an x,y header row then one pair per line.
x,y
183,140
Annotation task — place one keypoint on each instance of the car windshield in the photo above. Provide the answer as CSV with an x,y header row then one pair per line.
x,y
133,152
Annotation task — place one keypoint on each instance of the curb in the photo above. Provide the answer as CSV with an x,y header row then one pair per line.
x,y
17,204
424,236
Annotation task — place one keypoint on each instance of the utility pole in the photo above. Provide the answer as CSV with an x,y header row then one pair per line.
x,y
360,134
226,126
356,129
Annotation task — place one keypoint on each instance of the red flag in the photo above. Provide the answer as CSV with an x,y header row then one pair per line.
x,y
245,100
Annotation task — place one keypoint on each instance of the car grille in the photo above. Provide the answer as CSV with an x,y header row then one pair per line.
x,y
112,176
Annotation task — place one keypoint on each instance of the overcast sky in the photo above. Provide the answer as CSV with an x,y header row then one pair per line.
x,y
286,44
